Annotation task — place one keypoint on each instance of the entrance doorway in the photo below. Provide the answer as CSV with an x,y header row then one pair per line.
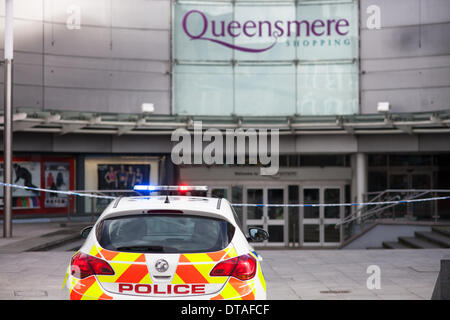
x,y
317,224
314,226
272,219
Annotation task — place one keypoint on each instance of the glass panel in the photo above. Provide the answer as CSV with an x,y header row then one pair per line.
x,y
203,90
326,39
166,233
377,160
275,47
398,181
219,193
293,198
347,196
332,234
276,233
409,160
327,89
421,181
332,196
311,233
421,210
323,161
275,196
377,181
259,88
311,196
254,196
186,48
264,33
236,197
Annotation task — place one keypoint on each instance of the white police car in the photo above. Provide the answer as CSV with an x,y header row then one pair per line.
x,y
177,247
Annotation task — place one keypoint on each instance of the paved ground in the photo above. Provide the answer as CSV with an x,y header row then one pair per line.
x,y
342,274
290,274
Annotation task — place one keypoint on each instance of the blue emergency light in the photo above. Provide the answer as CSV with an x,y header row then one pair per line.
x,y
181,188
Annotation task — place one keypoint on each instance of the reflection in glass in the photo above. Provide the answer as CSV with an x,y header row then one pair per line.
x,y
332,234
219,193
311,196
254,196
236,197
332,196
198,88
311,233
275,196
259,88
327,89
302,73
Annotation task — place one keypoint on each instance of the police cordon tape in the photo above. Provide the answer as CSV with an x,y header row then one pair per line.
x,y
70,193
73,193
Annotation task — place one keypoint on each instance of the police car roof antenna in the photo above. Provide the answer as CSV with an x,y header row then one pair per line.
x,y
167,195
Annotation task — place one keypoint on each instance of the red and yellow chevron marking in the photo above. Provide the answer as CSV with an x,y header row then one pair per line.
x,y
211,257
87,289
192,268
128,267
117,256
236,289
195,267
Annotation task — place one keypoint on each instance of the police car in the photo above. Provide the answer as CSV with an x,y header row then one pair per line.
x,y
167,247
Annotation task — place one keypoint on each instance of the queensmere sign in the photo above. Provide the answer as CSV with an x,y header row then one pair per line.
x,y
218,30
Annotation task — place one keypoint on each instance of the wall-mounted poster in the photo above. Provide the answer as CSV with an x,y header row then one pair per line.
x,y
122,176
26,174
57,177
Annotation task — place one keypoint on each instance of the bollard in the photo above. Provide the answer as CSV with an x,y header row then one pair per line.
x,y
442,287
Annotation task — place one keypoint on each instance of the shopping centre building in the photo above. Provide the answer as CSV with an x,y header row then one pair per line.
x,y
358,90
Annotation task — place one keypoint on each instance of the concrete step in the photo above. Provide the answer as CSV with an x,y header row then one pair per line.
x,y
395,245
444,230
418,243
434,237
43,242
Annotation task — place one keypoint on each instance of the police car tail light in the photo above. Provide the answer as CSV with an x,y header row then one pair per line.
x,y
242,268
84,265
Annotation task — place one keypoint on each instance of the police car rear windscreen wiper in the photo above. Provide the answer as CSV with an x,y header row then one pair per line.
x,y
142,248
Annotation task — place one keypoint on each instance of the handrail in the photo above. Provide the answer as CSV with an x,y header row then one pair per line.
x,y
371,212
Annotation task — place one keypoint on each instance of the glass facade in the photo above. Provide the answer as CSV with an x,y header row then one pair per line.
x,y
256,58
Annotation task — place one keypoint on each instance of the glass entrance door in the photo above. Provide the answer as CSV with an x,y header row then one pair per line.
x,y
271,219
318,222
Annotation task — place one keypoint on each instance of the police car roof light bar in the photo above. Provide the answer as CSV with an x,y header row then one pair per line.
x,y
183,188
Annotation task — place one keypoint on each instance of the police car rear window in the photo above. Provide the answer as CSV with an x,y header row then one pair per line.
x,y
159,233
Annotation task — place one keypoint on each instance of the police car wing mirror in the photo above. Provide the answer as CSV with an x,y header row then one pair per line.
x,y
257,234
85,232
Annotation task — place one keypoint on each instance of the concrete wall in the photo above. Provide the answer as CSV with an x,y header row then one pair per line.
x,y
407,61
118,59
